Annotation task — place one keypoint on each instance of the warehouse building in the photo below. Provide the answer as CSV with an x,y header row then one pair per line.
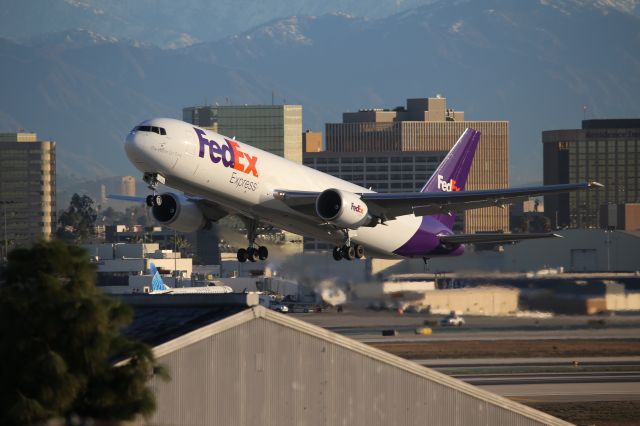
x,y
261,367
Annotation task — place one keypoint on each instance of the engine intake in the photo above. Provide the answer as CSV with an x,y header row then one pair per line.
x,y
342,208
177,213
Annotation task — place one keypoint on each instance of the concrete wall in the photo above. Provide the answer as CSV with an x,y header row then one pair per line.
x,y
475,301
623,302
103,251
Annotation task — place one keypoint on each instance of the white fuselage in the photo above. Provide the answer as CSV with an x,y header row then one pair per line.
x,y
204,170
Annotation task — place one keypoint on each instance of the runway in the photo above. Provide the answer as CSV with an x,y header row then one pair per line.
x,y
568,392
597,361
546,386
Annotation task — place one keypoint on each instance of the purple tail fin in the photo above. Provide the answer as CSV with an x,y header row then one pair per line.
x,y
451,174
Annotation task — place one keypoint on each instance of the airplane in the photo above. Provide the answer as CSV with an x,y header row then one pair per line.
x,y
218,176
159,287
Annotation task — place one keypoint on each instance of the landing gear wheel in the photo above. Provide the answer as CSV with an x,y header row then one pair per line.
x,y
263,252
359,251
337,253
252,254
149,200
348,252
242,255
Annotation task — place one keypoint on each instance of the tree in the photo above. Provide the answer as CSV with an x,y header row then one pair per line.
x,y
76,223
59,337
180,244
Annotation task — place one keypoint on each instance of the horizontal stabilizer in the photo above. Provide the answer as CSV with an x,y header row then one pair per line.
x,y
492,238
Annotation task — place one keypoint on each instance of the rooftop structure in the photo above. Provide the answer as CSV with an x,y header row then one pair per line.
x,y
261,367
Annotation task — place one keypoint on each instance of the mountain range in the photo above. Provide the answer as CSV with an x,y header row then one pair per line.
x,y
536,64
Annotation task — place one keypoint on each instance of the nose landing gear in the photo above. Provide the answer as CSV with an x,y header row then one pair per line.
x,y
153,180
154,200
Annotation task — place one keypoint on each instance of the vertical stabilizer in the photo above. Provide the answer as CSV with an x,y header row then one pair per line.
x,y
451,175
157,284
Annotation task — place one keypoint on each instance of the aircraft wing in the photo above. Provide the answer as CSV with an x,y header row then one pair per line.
x,y
130,198
492,238
424,203
391,205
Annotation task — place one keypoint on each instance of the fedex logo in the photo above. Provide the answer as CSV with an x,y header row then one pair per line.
x,y
447,186
357,208
229,154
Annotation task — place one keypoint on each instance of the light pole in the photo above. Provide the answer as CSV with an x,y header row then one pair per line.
x,y
6,243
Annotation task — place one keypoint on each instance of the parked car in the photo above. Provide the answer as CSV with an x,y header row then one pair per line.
x,y
279,307
452,320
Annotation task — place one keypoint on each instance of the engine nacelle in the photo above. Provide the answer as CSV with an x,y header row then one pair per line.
x,y
178,213
342,208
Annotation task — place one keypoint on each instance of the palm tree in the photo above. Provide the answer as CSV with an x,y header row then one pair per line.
x,y
180,244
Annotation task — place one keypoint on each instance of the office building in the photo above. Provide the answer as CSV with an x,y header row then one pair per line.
x,y
273,128
620,216
128,186
202,116
311,141
27,189
398,150
606,151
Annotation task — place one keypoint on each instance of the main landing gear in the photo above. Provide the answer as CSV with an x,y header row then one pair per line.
x,y
348,252
253,253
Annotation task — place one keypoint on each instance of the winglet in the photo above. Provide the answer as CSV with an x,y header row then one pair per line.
x,y
594,184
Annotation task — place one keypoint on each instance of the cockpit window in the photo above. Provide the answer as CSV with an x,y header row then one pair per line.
x,y
154,129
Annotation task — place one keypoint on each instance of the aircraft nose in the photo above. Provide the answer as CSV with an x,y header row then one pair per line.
x,y
134,147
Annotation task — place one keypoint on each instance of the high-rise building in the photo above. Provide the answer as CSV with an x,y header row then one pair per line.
x,y
27,189
398,150
606,151
273,128
128,186
202,116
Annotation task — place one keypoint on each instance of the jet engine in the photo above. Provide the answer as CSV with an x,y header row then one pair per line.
x,y
343,209
177,213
